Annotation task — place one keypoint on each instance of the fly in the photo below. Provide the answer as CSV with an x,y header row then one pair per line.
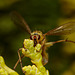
x,y
39,37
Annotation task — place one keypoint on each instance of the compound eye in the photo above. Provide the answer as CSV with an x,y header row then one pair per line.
x,y
38,37
31,37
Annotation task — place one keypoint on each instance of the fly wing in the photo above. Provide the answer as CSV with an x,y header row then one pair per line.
x,y
64,29
19,21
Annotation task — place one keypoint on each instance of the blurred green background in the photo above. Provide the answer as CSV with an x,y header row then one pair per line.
x,y
40,15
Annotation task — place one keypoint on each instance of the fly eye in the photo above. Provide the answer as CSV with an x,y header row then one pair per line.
x,y
31,37
38,37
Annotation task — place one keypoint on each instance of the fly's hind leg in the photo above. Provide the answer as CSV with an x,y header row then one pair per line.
x,y
63,41
48,44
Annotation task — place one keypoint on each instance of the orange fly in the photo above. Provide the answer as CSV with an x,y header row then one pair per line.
x,y
39,37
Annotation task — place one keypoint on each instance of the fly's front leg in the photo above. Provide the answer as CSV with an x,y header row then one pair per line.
x,y
20,57
42,45
17,62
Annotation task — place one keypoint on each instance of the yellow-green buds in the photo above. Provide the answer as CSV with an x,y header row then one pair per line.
x,y
5,70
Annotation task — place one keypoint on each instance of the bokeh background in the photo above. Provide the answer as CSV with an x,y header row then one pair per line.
x,y
40,15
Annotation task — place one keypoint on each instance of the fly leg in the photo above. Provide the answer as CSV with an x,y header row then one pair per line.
x,y
42,45
63,41
44,56
20,58
17,62
48,44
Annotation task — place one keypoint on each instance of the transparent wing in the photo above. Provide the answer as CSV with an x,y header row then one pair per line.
x,y
18,20
64,29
